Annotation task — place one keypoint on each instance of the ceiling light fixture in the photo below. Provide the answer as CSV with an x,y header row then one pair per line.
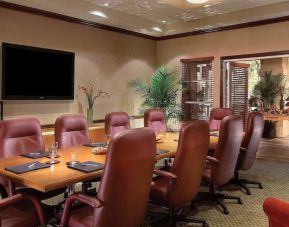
x,y
98,13
197,1
164,21
106,4
157,29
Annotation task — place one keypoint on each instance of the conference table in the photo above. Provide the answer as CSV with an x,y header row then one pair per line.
x,y
59,175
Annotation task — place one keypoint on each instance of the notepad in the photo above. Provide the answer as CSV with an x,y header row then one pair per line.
x,y
36,154
87,167
27,167
159,151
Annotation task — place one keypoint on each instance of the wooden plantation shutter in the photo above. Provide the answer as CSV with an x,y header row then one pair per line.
x,y
197,92
238,73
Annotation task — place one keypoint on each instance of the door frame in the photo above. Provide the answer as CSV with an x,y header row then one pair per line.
x,y
244,57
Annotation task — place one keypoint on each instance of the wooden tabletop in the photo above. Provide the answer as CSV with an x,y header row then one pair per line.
x,y
276,117
59,175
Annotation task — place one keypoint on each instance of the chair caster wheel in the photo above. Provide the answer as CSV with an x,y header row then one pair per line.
x,y
260,186
240,201
226,212
249,193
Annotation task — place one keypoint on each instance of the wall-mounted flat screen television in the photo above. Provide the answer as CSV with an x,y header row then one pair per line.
x,y
31,73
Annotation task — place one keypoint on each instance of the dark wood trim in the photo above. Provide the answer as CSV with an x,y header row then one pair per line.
x,y
186,60
57,16
255,55
26,9
226,28
244,56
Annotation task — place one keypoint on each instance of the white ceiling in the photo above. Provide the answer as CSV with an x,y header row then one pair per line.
x,y
164,17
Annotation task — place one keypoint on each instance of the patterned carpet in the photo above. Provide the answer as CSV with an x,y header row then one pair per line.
x,y
270,171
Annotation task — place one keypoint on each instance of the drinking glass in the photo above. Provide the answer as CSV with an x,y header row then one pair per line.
x,y
52,151
73,158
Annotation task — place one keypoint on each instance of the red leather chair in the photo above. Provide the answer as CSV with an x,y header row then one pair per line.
x,y
221,167
124,189
249,147
18,136
71,130
116,122
277,212
179,186
155,119
13,214
217,115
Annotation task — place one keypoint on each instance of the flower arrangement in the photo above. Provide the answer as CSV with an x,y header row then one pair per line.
x,y
92,94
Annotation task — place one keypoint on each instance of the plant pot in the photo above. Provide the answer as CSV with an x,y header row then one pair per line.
x,y
89,116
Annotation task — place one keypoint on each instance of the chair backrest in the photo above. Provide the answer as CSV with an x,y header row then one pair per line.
x,y
251,141
18,136
155,119
189,162
71,130
126,179
277,212
116,122
217,115
227,150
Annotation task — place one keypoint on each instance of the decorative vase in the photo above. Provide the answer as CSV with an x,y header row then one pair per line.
x,y
89,116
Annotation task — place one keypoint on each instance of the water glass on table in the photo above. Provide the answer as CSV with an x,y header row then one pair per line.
x,y
52,151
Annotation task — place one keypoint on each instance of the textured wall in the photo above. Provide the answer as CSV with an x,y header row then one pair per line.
x,y
112,57
266,38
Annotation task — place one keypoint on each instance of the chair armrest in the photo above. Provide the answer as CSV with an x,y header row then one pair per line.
x,y
88,200
212,159
277,211
243,149
22,197
165,174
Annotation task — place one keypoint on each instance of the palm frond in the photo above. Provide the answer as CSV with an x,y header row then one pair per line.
x,y
162,92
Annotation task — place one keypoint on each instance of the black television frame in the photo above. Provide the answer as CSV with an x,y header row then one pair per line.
x,y
12,97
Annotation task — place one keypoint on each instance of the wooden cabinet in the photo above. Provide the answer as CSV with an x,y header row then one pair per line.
x,y
197,88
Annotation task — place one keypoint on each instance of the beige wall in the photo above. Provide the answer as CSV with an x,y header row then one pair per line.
x,y
266,38
111,57
276,65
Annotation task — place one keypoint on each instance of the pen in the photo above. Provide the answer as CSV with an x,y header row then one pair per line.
x,y
30,166
88,164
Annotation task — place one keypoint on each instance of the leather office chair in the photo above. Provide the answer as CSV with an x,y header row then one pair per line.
x,y
18,136
217,115
116,122
124,189
249,147
179,186
71,130
15,214
277,212
155,119
221,167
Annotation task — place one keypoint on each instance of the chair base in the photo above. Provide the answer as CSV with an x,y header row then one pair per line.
x,y
173,217
243,183
218,198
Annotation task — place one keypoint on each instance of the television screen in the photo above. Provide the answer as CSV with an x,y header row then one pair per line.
x,y
36,73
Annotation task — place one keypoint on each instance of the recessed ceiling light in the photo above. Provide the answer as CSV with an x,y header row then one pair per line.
x,y
164,21
197,1
106,4
98,13
206,6
157,29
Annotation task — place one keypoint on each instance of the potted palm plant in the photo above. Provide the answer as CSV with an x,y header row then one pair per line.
x,y
162,92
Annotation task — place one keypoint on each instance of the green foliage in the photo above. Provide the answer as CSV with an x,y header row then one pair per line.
x,y
162,93
268,88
